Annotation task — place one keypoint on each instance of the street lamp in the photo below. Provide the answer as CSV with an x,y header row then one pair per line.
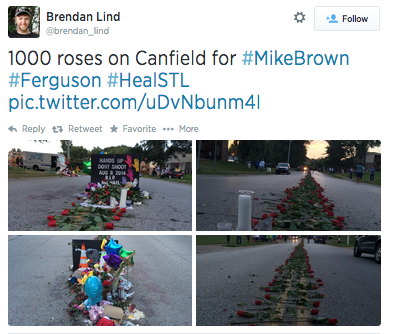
x,y
288,155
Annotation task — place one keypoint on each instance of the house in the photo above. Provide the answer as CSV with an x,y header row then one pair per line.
x,y
369,160
182,162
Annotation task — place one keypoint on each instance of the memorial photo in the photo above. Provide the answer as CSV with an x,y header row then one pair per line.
x,y
288,185
288,280
141,186
99,280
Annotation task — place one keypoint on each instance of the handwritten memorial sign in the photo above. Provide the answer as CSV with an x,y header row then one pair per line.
x,y
115,168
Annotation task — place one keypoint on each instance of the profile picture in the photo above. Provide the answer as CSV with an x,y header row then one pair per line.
x,y
23,21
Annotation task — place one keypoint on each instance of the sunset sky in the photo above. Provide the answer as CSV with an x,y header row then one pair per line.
x,y
317,149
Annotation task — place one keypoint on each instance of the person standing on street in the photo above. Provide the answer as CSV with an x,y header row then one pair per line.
x,y
359,172
372,173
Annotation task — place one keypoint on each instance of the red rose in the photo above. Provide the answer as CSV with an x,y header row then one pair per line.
x,y
320,284
273,214
120,214
73,203
332,321
267,289
265,216
241,312
311,201
50,217
52,223
123,210
282,210
284,200
271,284
109,226
267,296
64,213
315,304
313,311
311,276
319,280
256,198
255,222
116,217
114,210
106,283
341,218
331,214
257,302
325,199
315,287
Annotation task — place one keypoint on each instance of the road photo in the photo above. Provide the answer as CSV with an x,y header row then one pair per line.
x,y
288,280
83,280
307,185
146,187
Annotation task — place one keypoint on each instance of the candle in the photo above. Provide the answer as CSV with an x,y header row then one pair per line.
x,y
244,213
123,197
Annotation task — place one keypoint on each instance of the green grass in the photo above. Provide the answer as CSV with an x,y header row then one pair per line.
x,y
343,239
187,179
365,177
206,166
222,241
17,173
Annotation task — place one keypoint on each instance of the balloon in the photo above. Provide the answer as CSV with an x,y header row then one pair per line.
x,y
113,260
93,290
125,253
103,243
113,247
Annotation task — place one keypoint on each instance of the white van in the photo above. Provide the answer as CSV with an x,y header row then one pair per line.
x,y
43,161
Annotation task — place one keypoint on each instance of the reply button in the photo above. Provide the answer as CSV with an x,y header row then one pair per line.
x,y
347,18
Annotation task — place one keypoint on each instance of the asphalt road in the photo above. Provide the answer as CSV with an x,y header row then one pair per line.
x,y
31,200
38,274
352,286
217,198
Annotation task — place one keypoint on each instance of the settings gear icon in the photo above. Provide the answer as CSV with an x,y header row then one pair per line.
x,y
299,17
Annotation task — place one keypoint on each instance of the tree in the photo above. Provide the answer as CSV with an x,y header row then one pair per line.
x,y
341,153
159,151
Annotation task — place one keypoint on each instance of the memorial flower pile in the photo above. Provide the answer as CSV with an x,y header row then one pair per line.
x,y
304,207
99,289
292,297
99,211
101,193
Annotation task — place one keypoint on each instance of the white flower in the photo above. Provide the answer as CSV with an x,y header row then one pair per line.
x,y
135,182
99,185
92,189
145,194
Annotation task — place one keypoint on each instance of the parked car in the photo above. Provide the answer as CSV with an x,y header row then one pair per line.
x,y
369,244
320,238
173,174
282,167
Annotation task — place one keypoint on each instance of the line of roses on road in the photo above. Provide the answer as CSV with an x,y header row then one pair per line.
x,y
304,208
289,295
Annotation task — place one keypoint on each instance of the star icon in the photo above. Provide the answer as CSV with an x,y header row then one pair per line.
x,y
114,128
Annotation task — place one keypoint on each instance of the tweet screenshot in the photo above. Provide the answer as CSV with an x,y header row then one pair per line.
x,y
151,144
